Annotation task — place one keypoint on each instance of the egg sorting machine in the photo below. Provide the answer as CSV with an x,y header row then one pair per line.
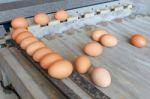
x,y
128,66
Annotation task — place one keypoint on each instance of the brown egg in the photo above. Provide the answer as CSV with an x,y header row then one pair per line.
x,y
41,18
22,36
82,64
49,59
17,31
108,40
101,77
138,40
19,22
60,69
97,34
40,53
33,47
93,49
61,15
27,41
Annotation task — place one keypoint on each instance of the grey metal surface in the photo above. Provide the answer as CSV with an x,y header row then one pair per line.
x,y
129,66
27,81
29,8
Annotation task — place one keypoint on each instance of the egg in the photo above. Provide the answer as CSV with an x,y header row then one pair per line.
x,y
108,40
33,47
97,34
60,69
61,15
138,40
93,49
41,18
19,22
82,64
22,36
101,77
40,53
16,32
49,59
27,41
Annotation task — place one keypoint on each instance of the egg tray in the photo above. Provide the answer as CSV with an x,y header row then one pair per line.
x,y
81,81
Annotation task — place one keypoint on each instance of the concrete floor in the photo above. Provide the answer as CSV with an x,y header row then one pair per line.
x,y
7,94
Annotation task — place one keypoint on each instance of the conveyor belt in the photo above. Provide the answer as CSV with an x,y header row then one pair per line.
x,y
82,82
129,66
